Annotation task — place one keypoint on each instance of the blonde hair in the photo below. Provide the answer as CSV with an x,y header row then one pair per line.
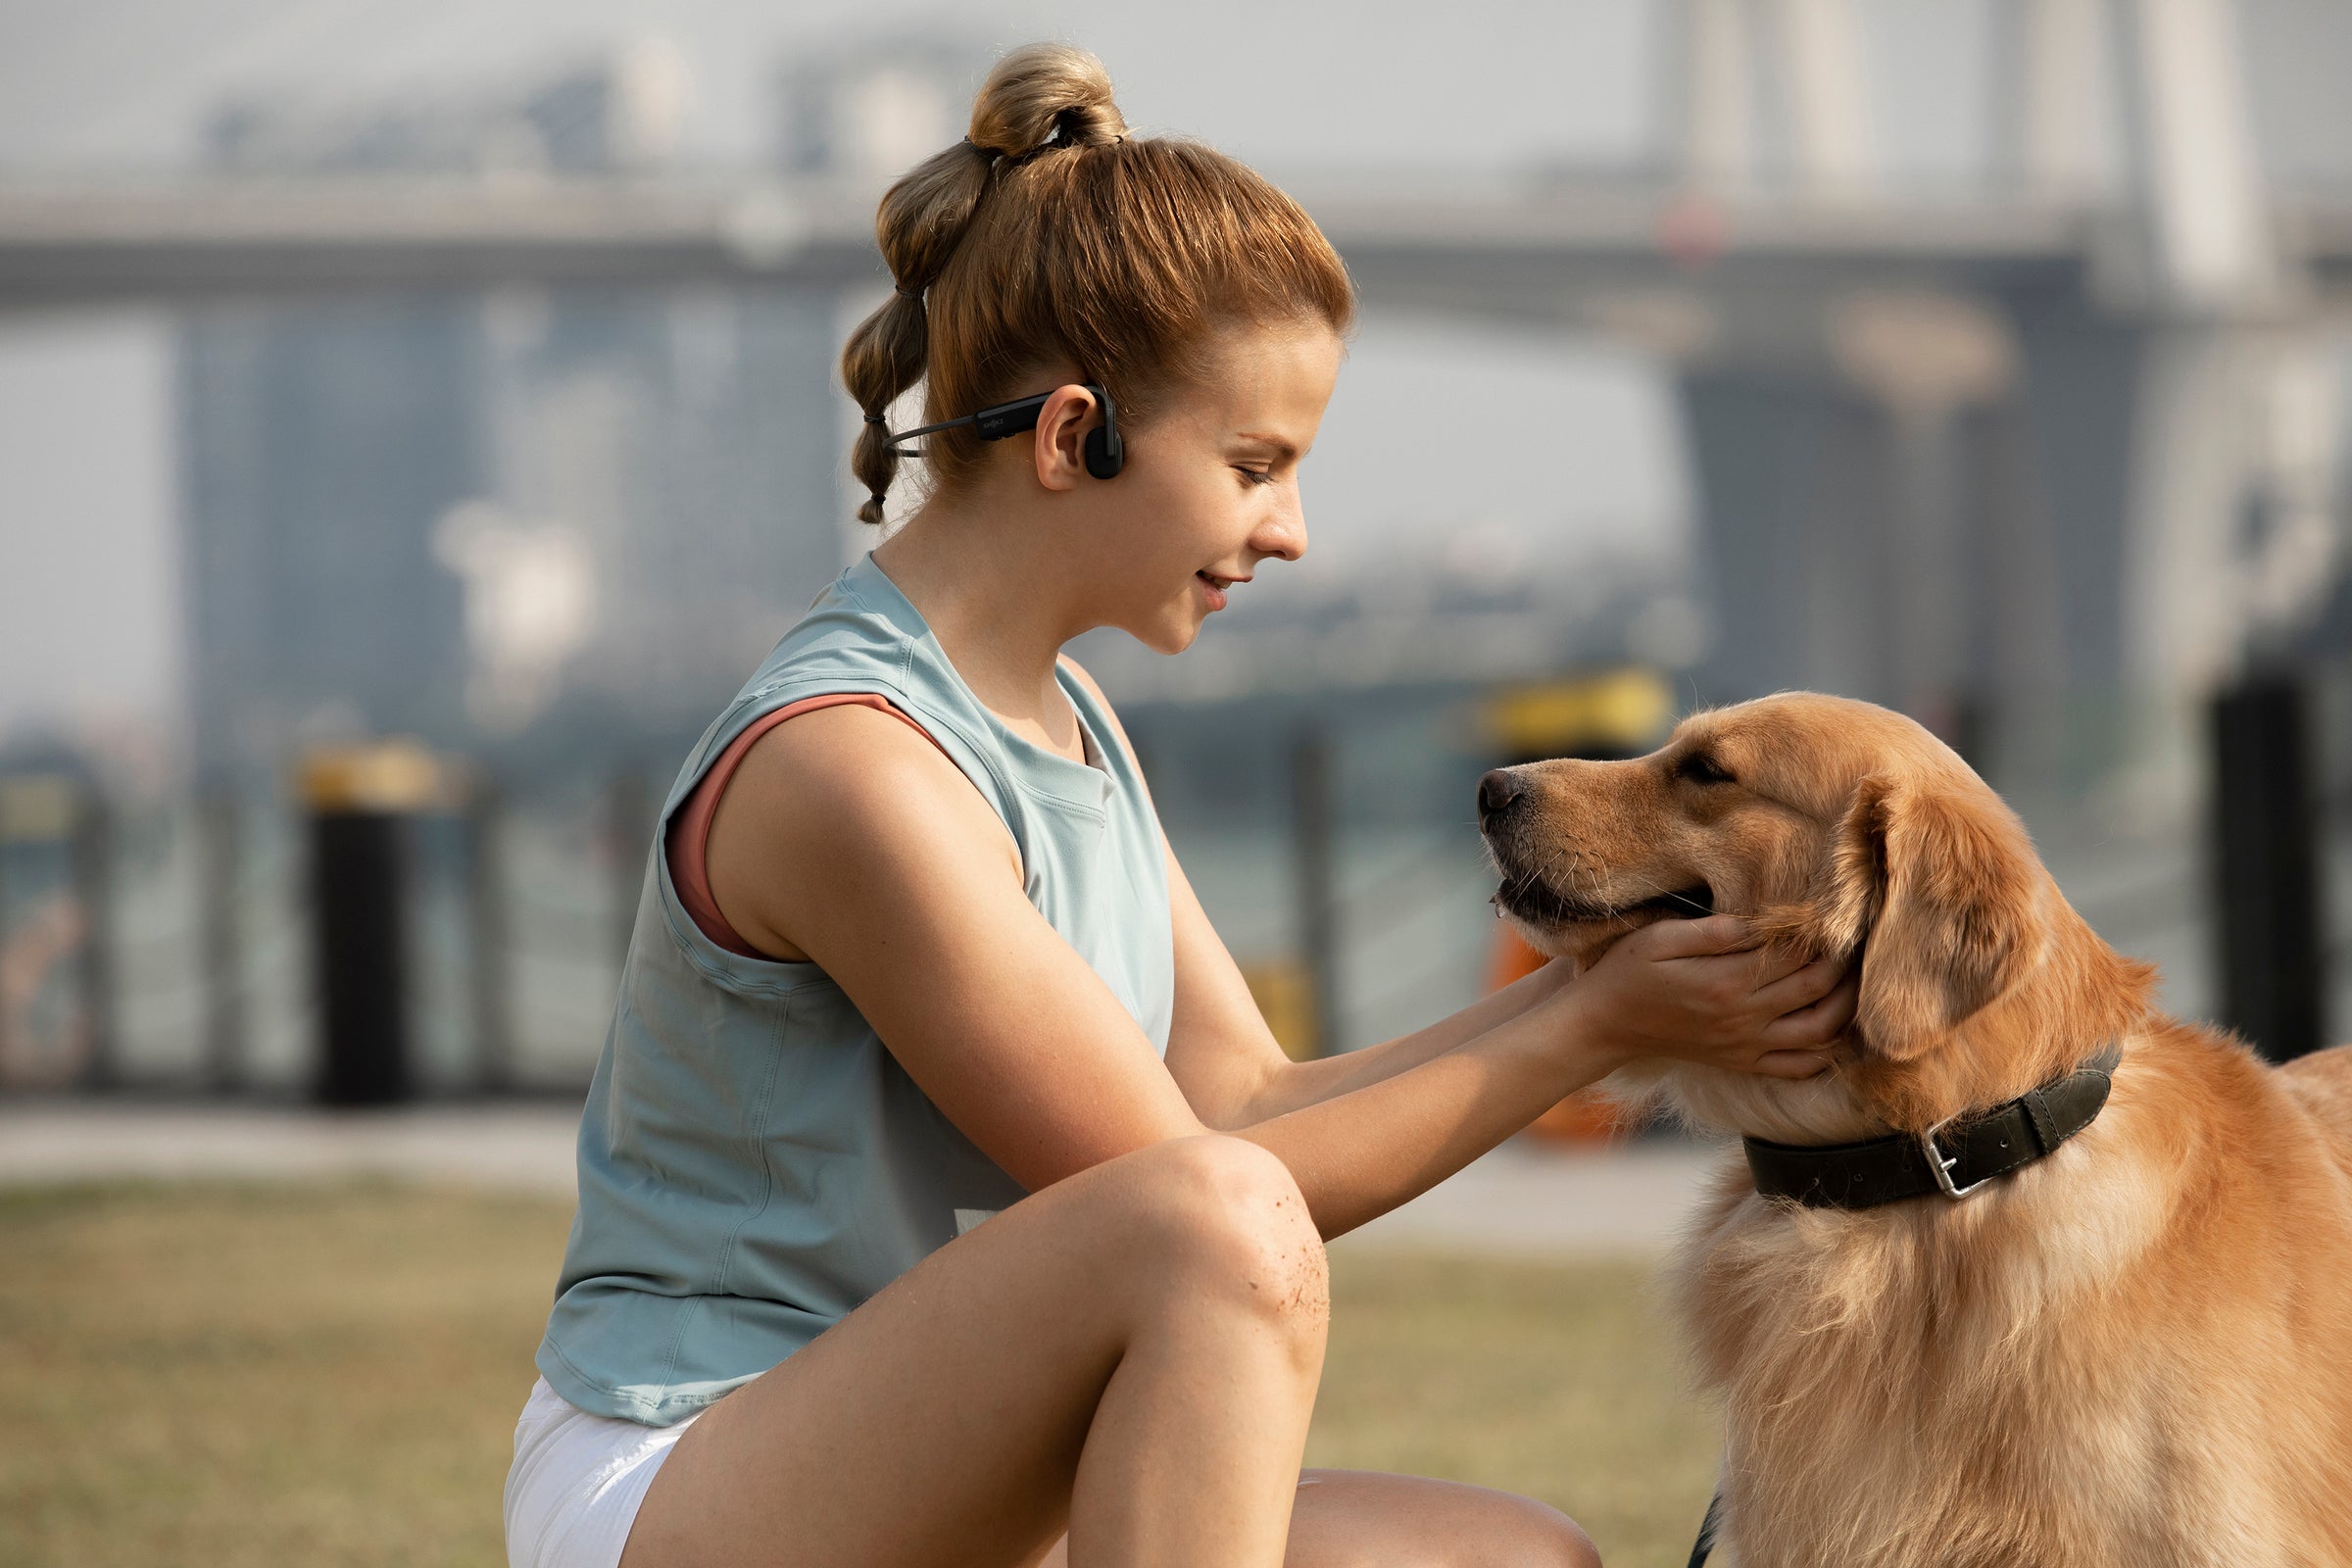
x,y
1048,235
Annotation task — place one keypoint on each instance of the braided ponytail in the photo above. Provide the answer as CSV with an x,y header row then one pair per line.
x,y
921,219
1046,236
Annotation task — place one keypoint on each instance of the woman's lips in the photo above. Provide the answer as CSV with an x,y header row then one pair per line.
x,y
1216,588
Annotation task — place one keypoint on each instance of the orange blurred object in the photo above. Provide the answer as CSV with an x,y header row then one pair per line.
x,y
1584,1117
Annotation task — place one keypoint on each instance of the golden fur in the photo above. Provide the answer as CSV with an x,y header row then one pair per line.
x,y
2137,1350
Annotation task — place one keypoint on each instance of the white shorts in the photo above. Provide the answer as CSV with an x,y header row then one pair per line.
x,y
577,1480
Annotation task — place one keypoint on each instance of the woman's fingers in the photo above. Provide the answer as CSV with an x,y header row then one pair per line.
x,y
1820,1023
1799,987
1730,942
1697,939
1736,1000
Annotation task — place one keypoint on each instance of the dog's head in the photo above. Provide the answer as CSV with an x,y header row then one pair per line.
x,y
1842,830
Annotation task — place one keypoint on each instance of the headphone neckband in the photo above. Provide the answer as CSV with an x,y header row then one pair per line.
x,y
1105,452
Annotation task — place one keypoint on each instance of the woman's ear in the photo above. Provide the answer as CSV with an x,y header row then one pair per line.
x,y
1936,888
1061,427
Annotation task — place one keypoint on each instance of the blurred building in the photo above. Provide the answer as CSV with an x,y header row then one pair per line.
x,y
618,115
874,106
1991,485
552,522
320,443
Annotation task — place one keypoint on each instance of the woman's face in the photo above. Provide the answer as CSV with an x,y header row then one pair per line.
x,y
1210,486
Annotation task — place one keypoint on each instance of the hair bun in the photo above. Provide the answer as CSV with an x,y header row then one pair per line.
x,y
1039,90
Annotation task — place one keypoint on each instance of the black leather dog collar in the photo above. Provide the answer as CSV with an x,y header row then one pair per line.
x,y
1953,1157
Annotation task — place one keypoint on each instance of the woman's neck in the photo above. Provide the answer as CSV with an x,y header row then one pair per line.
x,y
990,593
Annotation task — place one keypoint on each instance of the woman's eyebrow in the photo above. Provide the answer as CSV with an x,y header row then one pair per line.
x,y
1280,448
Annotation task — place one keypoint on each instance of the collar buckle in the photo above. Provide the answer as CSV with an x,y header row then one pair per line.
x,y
1941,1168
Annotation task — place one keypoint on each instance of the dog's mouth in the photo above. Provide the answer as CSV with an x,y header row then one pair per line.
x,y
1532,898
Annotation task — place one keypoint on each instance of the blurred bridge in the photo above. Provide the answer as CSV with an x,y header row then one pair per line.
x,y
1539,250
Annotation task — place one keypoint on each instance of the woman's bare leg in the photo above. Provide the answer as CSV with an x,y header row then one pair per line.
x,y
1357,1519
1131,1353
1362,1519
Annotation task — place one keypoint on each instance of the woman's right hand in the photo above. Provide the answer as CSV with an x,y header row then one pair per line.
x,y
1712,992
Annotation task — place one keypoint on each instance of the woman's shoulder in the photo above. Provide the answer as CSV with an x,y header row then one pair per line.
x,y
863,714
847,645
839,633
842,798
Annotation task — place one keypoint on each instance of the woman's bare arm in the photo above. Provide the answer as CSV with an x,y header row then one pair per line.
x,y
849,838
1365,1131
1233,1070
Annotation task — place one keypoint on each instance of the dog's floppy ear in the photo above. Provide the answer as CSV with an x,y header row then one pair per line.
x,y
1936,889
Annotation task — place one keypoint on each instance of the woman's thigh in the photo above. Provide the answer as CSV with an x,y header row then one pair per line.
x,y
1363,1519
943,1420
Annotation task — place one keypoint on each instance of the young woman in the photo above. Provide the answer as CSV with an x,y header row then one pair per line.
x,y
942,1193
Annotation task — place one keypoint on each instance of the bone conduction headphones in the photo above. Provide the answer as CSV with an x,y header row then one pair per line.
x,y
1105,453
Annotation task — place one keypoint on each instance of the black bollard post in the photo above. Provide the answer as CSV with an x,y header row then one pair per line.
x,y
359,801
2267,866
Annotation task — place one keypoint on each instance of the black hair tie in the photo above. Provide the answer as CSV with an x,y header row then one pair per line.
x,y
914,294
875,419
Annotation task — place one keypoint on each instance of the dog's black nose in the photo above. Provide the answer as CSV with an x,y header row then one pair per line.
x,y
1497,791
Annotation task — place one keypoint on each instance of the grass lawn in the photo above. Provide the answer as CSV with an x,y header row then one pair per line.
x,y
268,1376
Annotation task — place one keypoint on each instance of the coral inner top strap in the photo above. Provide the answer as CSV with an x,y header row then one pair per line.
x,y
690,827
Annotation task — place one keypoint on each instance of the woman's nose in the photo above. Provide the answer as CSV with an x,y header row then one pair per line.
x,y
1283,536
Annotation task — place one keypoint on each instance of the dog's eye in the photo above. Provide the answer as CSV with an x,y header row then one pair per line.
x,y
1700,769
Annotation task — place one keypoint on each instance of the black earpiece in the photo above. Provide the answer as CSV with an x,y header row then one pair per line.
x,y
1105,453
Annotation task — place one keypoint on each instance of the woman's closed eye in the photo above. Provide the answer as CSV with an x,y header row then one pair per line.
x,y
1255,475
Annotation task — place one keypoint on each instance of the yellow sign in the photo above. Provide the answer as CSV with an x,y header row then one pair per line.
x,y
1626,710
391,775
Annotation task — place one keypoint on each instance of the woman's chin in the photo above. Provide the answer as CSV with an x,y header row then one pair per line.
x,y
1170,634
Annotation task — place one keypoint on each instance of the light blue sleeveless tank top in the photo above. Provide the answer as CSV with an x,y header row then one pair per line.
x,y
753,1164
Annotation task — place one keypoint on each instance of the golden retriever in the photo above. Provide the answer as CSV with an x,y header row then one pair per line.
x,y
2137,1350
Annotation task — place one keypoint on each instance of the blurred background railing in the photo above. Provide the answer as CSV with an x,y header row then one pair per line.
x,y
452,938
1984,359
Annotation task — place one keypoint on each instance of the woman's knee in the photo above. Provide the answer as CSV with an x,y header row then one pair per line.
x,y
1549,1539
1353,1519
1522,1533
1222,1214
